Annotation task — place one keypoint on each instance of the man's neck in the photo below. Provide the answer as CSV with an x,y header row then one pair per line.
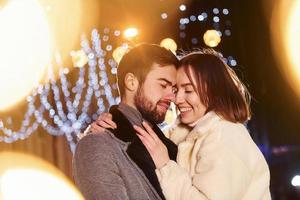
x,y
128,102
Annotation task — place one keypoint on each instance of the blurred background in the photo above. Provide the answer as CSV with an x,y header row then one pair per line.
x,y
58,61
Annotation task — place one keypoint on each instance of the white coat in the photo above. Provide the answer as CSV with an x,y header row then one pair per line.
x,y
216,160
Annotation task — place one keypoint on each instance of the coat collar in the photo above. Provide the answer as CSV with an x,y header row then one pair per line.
x,y
203,125
124,130
132,114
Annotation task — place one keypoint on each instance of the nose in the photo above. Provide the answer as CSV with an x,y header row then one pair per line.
x,y
170,96
179,98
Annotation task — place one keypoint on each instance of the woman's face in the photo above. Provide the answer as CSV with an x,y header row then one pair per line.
x,y
187,99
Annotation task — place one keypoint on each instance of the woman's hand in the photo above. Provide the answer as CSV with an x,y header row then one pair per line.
x,y
103,122
154,145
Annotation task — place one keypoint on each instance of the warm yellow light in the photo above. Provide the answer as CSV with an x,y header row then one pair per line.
x,y
25,49
211,38
26,177
79,58
169,43
130,33
293,40
286,42
118,53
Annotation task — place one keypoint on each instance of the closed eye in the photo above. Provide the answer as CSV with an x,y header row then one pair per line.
x,y
163,85
188,89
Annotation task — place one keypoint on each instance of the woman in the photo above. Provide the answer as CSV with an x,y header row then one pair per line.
x,y
217,159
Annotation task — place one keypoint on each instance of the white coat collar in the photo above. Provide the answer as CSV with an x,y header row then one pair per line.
x,y
203,125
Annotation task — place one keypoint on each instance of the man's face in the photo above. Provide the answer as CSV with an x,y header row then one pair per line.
x,y
155,94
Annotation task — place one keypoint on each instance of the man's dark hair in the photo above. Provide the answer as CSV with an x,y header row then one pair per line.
x,y
139,61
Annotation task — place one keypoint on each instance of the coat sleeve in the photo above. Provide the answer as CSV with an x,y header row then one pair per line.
x,y
95,170
219,175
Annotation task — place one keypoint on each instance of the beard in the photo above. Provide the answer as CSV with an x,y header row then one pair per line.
x,y
148,109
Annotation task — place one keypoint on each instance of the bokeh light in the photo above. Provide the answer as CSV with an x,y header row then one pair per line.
x,y
79,58
286,42
118,53
130,33
27,177
169,43
296,181
292,39
182,7
164,15
25,49
211,38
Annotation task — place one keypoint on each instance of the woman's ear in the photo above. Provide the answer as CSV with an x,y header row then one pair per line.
x,y
131,82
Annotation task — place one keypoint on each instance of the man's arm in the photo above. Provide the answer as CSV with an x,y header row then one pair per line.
x,y
95,169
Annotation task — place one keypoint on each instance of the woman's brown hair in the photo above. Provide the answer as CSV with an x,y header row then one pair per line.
x,y
217,85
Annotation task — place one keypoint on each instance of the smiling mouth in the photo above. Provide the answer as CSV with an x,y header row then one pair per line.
x,y
184,110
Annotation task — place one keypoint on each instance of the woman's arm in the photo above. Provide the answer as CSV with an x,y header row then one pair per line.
x,y
218,173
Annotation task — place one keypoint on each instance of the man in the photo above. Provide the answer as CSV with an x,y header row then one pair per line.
x,y
115,164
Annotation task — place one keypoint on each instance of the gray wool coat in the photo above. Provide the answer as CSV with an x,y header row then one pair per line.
x,y
103,170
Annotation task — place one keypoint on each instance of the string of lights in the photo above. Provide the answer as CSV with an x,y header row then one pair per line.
x,y
69,110
74,118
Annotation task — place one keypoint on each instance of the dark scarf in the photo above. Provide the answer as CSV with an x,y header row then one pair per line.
x,y
136,149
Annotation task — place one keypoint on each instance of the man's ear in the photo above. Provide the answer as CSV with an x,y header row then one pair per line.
x,y
131,82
